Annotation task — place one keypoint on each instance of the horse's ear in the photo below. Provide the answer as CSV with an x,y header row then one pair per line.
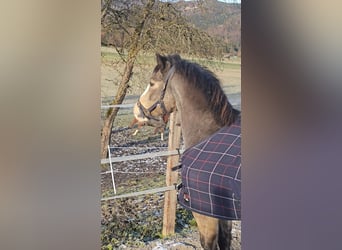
x,y
161,61
177,57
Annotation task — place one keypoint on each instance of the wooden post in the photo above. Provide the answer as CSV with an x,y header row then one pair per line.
x,y
170,201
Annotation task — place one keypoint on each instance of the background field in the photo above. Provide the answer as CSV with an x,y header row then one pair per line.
x,y
227,70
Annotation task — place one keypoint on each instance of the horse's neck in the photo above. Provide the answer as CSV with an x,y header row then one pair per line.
x,y
197,124
197,121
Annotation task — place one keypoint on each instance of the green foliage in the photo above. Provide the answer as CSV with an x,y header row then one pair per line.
x,y
192,222
184,219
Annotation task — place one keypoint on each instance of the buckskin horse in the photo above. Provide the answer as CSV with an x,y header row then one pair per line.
x,y
211,130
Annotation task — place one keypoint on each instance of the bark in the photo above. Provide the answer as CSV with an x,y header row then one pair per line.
x,y
120,96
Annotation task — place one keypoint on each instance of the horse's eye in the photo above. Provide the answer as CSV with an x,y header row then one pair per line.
x,y
151,84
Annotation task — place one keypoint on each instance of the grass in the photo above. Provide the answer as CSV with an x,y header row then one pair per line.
x,y
228,71
110,54
106,55
137,185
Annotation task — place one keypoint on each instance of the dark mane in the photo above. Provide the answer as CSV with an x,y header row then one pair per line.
x,y
206,81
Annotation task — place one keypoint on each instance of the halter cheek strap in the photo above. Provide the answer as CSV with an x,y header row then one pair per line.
x,y
147,112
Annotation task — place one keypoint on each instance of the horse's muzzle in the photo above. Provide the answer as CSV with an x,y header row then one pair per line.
x,y
139,114
157,122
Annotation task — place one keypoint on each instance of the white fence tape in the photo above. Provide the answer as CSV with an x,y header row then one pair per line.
x,y
141,156
149,191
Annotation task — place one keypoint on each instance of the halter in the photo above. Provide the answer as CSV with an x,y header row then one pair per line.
x,y
147,111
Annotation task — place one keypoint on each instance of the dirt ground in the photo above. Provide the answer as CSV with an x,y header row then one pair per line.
x,y
190,240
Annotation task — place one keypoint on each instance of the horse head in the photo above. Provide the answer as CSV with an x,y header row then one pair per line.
x,y
156,103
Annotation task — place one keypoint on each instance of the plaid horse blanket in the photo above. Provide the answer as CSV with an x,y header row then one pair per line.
x,y
211,175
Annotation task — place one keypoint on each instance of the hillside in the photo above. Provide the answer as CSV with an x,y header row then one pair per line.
x,y
218,19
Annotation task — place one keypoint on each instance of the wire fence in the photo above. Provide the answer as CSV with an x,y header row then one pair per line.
x,y
116,159
112,160
124,106
144,192
140,156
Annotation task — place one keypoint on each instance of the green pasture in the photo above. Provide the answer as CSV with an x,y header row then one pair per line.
x,y
110,54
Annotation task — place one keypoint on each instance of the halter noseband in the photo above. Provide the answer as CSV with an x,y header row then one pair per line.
x,y
147,111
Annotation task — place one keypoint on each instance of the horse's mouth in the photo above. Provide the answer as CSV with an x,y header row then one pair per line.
x,y
157,122
139,114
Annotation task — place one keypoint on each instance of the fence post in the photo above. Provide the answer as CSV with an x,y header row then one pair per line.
x,y
170,201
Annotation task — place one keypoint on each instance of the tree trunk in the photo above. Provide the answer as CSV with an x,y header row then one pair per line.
x,y
120,96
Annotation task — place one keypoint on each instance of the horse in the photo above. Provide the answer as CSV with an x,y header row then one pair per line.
x,y
195,92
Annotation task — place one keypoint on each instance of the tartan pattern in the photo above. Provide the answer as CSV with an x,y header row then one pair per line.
x,y
211,175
